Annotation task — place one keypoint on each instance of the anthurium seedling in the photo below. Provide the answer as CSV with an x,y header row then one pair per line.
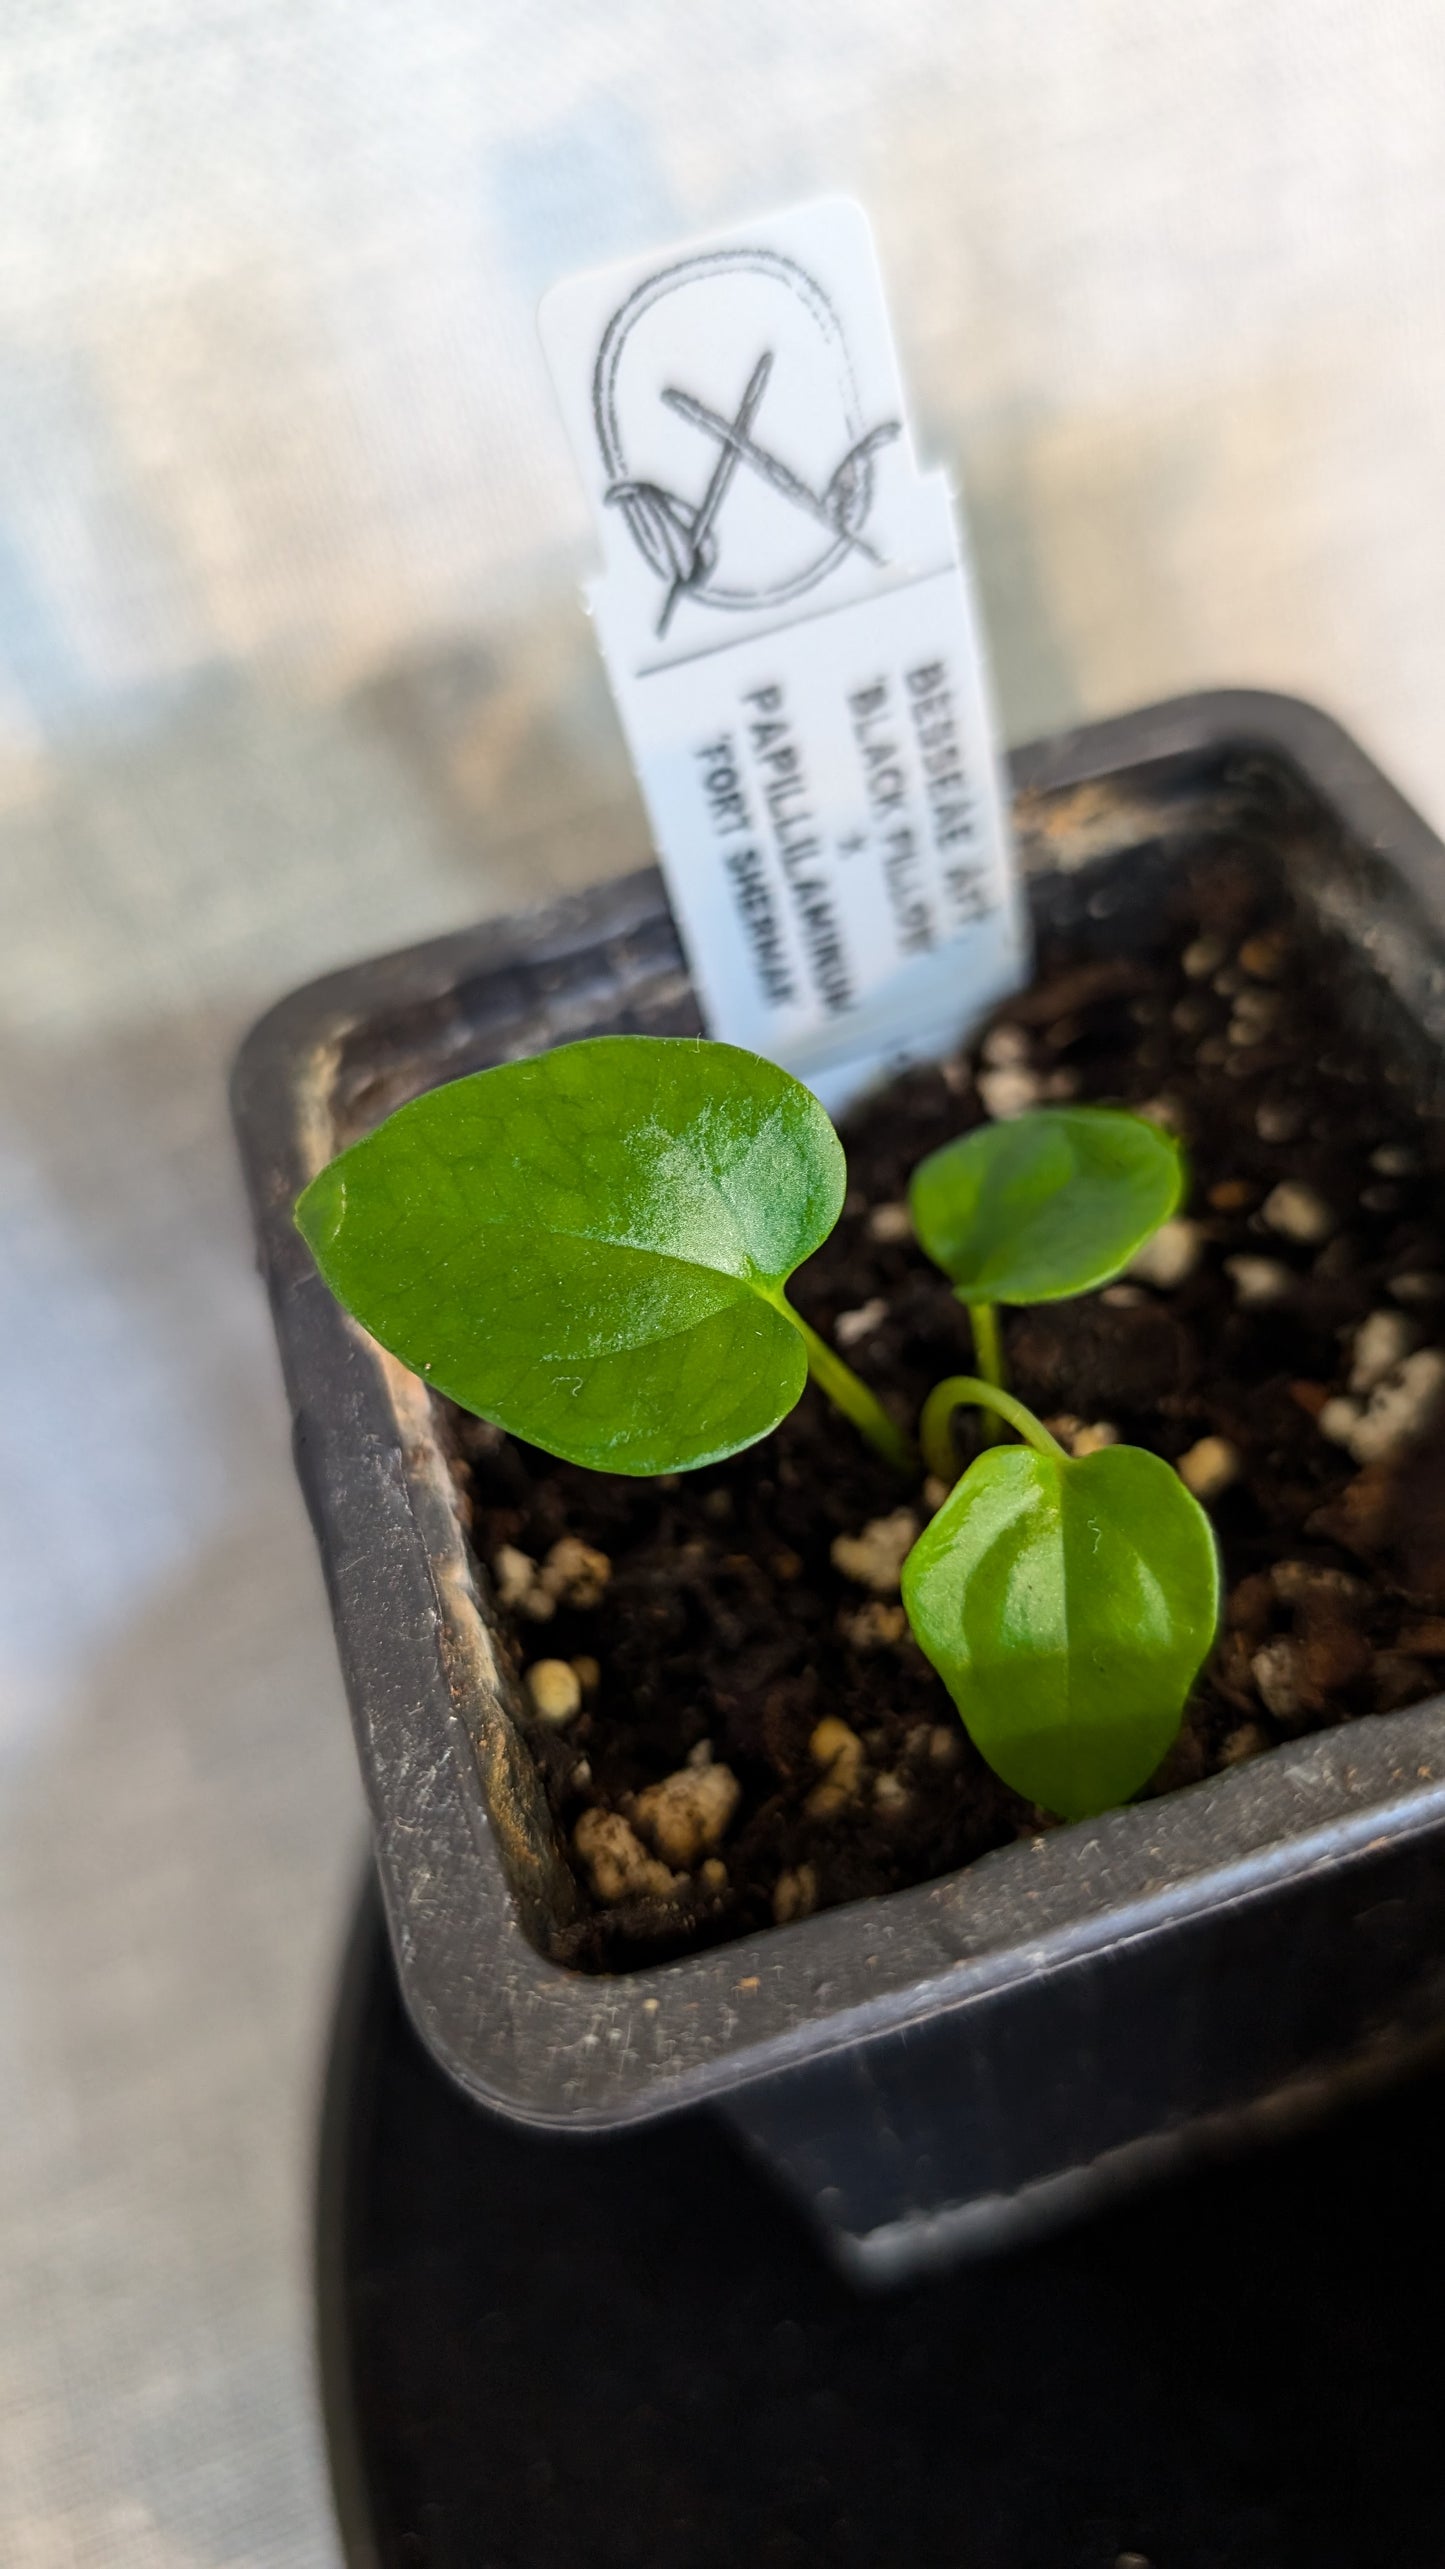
x,y
590,1248
1066,1602
1042,1207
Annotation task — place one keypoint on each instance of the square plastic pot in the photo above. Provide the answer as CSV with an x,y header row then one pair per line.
x,y
944,2069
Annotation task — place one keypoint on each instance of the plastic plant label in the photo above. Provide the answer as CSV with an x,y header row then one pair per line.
x,y
791,637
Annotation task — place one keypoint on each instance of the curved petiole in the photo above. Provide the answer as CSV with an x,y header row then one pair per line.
x,y
967,1391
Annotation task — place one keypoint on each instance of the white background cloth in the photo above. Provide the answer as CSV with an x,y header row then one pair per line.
x,y
291,669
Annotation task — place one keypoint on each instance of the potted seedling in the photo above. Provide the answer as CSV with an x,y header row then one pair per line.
x,y
592,1249
676,1462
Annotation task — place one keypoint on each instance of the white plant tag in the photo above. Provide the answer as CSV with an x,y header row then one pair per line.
x,y
791,637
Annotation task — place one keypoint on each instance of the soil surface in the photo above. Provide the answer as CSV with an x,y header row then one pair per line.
x,y
1299,1303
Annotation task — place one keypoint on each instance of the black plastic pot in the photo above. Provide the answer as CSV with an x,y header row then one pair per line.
x,y
944,2069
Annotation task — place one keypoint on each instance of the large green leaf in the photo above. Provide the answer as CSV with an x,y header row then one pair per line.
x,y
1046,1205
589,1248
1067,1606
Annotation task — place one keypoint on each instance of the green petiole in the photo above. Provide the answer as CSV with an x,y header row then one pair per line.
x,y
988,1348
988,1342
848,1393
966,1391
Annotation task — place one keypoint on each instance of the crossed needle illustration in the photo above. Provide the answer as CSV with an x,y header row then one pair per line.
x,y
663,523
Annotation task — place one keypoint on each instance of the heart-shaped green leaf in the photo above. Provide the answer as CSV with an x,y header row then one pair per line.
x,y
1067,1606
1047,1204
590,1248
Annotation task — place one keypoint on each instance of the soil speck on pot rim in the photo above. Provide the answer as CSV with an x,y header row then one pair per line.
x,y
732,1618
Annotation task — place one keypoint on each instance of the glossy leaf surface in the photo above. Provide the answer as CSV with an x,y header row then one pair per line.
x,y
589,1248
1047,1204
1067,1606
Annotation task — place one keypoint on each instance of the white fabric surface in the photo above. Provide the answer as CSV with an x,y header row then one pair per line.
x,y
290,669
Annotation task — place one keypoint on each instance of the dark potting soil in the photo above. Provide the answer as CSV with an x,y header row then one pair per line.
x,y
721,1632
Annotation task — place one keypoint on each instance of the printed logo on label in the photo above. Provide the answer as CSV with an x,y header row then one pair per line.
x,y
700,548
787,626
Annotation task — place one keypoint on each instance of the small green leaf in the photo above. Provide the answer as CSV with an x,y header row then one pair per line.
x,y
1067,1606
1046,1205
590,1248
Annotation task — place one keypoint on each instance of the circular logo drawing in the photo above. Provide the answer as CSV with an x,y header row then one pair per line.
x,y
744,498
